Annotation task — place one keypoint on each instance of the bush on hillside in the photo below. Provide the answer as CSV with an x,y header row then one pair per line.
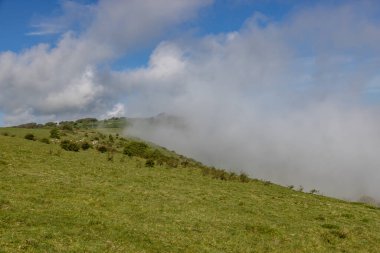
x,y
172,162
86,145
70,146
136,148
243,178
102,149
67,127
54,133
30,137
149,163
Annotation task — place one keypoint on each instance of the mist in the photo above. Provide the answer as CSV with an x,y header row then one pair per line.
x,y
280,107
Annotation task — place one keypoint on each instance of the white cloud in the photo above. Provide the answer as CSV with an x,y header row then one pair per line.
x,y
77,94
118,110
55,80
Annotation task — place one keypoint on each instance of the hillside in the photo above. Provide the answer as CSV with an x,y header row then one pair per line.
x,y
137,197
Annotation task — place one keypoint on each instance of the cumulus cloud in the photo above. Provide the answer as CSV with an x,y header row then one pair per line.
x,y
118,110
266,100
66,78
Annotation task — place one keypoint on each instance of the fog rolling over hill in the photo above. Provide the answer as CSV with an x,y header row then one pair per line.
x,y
324,147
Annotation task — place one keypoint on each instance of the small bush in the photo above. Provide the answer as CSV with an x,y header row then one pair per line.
x,y
218,173
67,127
149,163
5,134
136,148
45,140
314,191
232,176
243,178
185,163
30,137
86,145
70,146
172,162
102,149
54,133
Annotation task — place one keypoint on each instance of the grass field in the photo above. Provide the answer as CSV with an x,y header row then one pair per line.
x,y
52,200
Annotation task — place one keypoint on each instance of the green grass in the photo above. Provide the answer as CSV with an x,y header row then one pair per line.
x,y
53,200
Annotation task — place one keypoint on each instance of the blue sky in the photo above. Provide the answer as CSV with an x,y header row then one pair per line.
x,y
18,18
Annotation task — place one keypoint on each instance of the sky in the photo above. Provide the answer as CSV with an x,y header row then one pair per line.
x,y
287,91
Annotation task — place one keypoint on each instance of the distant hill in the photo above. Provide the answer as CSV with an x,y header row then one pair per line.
x,y
81,186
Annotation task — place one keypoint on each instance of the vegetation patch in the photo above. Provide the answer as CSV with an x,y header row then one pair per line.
x,y
70,145
30,137
45,140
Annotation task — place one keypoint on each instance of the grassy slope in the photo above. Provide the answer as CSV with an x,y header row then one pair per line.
x,y
54,200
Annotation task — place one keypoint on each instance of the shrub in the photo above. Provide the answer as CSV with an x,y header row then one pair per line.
x,y
149,163
102,149
243,178
5,134
86,145
70,146
30,137
171,162
54,133
219,174
314,191
45,140
185,163
136,148
67,127
232,176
